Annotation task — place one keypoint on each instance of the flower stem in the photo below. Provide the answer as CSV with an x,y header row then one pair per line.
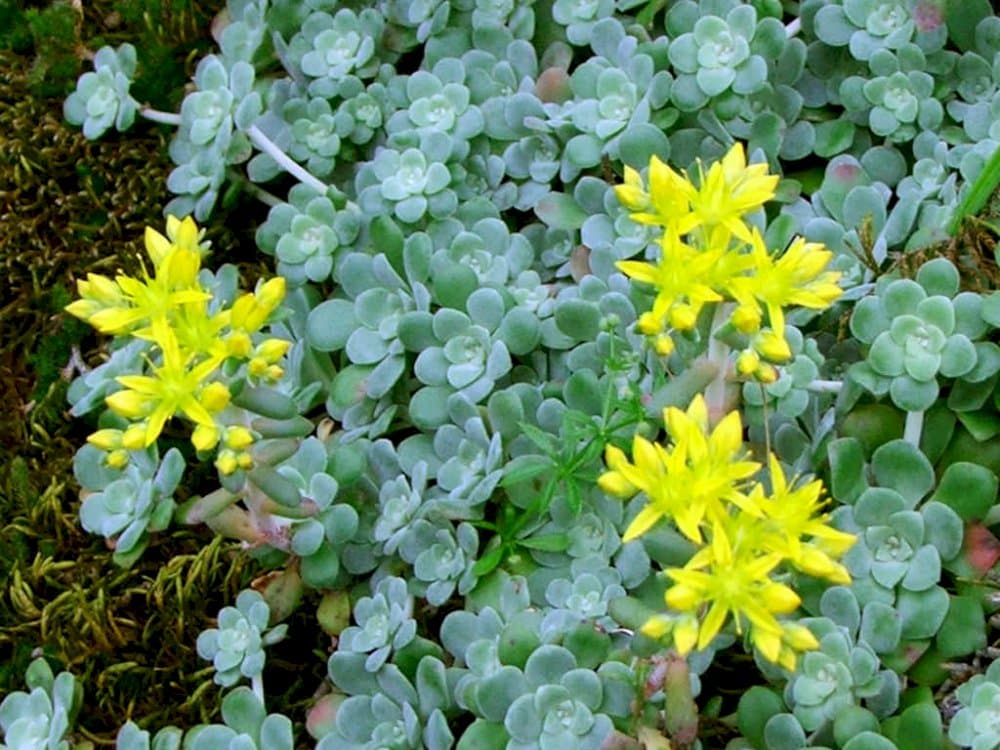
x,y
825,386
914,427
295,169
257,684
793,27
164,118
268,199
718,354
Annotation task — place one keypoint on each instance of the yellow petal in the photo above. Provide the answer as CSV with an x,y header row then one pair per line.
x,y
106,440
642,523
129,404
685,634
157,246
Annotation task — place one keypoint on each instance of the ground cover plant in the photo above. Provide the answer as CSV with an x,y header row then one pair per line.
x,y
625,375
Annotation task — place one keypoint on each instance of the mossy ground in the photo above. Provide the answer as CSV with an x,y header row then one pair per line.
x,y
69,207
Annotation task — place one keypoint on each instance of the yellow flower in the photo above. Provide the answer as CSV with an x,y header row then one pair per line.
x,y
679,279
795,529
666,203
173,388
698,478
730,189
180,233
796,278
175,283
726,579
250,311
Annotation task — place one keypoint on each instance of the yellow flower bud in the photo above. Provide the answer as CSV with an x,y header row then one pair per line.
x,y
134,438
238,344
773,346
767,642
779,598
648,324
682,317
257,367
215,396
746,319
226,462
799,637
204,438
274,373
237,437
656,626
117,459
766,373
106,440
747,362
245,460
129,404
664,345
272,350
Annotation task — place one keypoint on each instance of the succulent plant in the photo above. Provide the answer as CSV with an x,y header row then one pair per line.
x,y
977,724
391,712
307,234
579,17
713,54
839,674
407,183
130,737
330,47
236,646
102,98
916,331
870,26
138,502
384,624
41,719
246,727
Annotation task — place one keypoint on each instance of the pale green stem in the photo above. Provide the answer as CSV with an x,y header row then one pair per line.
x,y
268,199
793,27
718,354
257,685
825,386
295,169
164,118
914,427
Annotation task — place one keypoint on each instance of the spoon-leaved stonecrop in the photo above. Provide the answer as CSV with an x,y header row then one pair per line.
x,y
183,373
710,254
702,482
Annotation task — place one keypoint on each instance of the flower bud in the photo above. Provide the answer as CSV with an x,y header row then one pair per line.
x,y
664,345
204,438
766,373
272,350
682,317
648,324
237,437
226,462
117,459
238,344
746,319
215,396
772,346
134,438
106,440
747,362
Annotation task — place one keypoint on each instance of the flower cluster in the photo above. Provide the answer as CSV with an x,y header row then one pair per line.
x,y
194,349
710,254
702,483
